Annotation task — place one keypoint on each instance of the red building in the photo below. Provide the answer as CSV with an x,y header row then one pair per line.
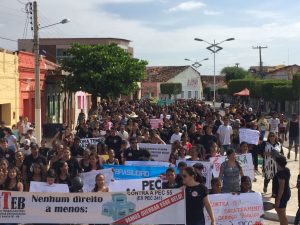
x,y
27,85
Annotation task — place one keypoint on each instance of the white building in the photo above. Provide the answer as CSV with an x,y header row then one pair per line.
x,y
186,75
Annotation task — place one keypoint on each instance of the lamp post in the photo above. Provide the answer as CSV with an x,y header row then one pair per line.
x,y
37,94
196,63
214,48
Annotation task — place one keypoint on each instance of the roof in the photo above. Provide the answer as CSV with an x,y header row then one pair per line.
x,y
163,73
283,68
50,65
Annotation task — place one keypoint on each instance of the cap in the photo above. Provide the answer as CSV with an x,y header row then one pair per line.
x,y
199,127
250,109
27,142
198,166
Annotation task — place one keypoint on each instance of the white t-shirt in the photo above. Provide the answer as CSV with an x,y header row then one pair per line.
x,y
175,137
225,133
274,123
25,152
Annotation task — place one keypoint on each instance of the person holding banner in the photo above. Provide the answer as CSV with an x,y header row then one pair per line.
x,y
100,184
271,149
171,179
14,181
230,173
196,199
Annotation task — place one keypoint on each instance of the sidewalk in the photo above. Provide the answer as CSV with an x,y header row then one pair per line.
x,y
293,202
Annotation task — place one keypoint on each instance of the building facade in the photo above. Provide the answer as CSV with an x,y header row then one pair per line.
x,y
9,87
27,85
55,49
186,75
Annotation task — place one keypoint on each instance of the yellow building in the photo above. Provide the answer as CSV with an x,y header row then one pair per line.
x,y
9,87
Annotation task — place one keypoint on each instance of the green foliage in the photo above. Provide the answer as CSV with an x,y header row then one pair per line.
x,y
279,90
222,91
283,93
171,89
102,70
234,73
296,85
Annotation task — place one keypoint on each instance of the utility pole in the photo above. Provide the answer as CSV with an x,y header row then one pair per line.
x,y
37,97
260,59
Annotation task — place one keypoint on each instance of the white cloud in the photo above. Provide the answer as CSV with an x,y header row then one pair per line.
x,y
187,6
263,14
123,1
212,13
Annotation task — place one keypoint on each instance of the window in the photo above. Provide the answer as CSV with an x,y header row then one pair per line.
x,y
189,94
182,94
196,94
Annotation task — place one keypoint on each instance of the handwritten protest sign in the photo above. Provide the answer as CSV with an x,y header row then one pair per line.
x,y
249,136
45,187
206,172
236,209
159,152
147,163
155,123
93,141
89,178
245,161
154,183
141,207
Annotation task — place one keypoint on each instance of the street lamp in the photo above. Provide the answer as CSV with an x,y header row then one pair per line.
x,y
37,94
214,48
196,63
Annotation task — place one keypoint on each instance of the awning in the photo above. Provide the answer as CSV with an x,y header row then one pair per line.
x,y
244,92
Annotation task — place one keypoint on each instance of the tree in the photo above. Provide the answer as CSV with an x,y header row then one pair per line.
x,y
171,89
234,73
102,70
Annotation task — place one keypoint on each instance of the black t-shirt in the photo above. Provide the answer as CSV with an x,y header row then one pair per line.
x,y
207,140
167,185
29,161
74,168
179,180
197,139
284,175
166,134
132,155
194,204
114,142
9,155
248,118
44,151
2,135
76,151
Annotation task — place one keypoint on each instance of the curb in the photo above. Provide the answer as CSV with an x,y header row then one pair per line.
x,y
272,215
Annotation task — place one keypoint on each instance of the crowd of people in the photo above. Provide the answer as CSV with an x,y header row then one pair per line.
x,y
195,131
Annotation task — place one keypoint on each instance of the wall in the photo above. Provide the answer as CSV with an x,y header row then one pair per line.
x,y
27,85
82,101
150,87
191,83
9,86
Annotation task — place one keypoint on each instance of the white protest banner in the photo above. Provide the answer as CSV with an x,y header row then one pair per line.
x,y
141,207
147,163
245,161
93,141
206,172
159,152
136,185
236,209
45,187
89,178
249,136
155,123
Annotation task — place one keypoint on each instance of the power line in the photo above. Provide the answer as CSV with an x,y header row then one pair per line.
x,y
8,39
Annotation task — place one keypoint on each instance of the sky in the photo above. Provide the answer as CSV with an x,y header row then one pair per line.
x,y
163,31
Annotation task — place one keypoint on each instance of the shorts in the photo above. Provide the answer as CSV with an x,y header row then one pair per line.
x,y
294,140
283,202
